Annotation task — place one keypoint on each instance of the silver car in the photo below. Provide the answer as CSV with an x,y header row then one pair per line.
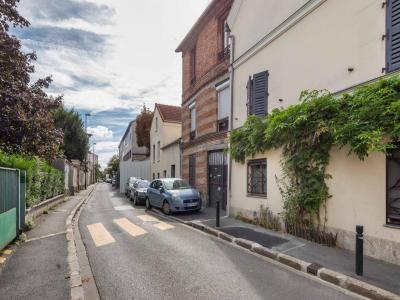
x,y
139,191
173,195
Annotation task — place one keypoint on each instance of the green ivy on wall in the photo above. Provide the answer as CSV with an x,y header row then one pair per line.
x,y
367,120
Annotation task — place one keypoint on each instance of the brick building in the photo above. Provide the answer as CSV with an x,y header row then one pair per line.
x,y
206,102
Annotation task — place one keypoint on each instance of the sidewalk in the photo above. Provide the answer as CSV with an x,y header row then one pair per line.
x,y
39,267
378,273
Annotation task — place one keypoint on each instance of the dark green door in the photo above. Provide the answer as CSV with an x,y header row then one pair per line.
x,y
9,198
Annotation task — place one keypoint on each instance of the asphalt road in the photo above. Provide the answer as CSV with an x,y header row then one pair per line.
x,y
133,256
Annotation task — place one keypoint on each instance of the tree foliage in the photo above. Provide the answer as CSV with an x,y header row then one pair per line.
x,y
366,120
76,141
143,126
26,122
113,164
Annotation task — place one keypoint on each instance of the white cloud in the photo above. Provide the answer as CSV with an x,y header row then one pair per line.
x,y
100,131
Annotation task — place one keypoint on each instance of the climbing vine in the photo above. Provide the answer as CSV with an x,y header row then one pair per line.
x,y
366,120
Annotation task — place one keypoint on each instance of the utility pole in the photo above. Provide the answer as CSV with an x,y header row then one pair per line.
x,y
94,165
86,115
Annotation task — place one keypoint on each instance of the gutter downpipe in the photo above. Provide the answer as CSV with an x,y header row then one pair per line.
x,y
231,74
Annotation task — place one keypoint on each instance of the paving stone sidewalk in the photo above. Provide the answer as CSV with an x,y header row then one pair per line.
x,y
39,268
376,272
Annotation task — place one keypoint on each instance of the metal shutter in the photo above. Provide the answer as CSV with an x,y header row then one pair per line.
x,y
393,35
260,93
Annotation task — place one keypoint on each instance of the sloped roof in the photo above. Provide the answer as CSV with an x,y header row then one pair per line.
x,y
170,113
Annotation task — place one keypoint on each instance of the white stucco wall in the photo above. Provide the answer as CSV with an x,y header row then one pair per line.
x,y
166,134
315,53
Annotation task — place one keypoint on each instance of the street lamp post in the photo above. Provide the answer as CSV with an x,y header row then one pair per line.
x,y
86,115
94,165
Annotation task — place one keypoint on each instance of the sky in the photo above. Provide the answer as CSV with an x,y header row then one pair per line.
x,y
109,57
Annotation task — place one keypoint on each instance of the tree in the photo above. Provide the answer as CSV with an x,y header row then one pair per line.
x,y
113,164
76,141
143,125
26,121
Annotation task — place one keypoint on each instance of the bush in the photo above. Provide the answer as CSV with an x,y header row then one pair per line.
x,y
42,180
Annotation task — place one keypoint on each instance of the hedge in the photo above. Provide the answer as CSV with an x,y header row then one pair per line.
x,y
43,181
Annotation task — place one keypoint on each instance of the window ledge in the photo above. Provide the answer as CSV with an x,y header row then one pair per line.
x,y
256,195
394,226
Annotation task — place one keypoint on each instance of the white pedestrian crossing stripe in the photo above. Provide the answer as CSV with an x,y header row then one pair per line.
x,y
148,218
124,207
129,227
163,226
100,235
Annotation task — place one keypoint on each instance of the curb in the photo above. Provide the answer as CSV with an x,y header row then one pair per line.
x,y
75,276
349,283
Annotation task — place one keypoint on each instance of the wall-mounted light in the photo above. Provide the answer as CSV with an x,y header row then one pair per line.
x,y
350,69
280,100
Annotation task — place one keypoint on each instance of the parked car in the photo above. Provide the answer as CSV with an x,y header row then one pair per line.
x,y
173,195
113,182
139,191
129,185
108,180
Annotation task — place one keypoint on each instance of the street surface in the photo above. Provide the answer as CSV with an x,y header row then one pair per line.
x,y
137,255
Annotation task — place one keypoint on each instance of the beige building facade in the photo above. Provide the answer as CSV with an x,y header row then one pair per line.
x,y
317,44
165,142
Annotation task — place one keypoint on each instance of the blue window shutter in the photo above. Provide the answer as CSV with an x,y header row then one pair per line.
x,y
392,35
260,94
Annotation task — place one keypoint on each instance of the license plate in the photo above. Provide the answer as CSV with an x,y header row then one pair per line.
x,y
191,204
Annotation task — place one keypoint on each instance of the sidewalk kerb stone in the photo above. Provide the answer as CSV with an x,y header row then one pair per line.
x,y
244,243
367,290
293,262
266,252
73,261
211,230
226,237
196,225
332,276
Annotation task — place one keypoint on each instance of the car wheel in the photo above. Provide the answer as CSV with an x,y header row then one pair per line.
x,y
166,208
148,205
135,199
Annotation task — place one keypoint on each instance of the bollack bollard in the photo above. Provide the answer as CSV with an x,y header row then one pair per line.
x,y
359,249
217,215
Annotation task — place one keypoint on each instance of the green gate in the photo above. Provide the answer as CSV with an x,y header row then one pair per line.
x,y
10,205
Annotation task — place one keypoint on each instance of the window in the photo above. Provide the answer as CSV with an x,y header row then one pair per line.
x,y
257,177
393,34
156,124
393,187
224,39
192,108
223,107
257,94
172,171
193,65
192,170
158,175
154,153
165,173
154,176
158,151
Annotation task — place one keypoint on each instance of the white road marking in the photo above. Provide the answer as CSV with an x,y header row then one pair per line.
x,y
129,227
163,226
45,236
148,218
124,207
100,235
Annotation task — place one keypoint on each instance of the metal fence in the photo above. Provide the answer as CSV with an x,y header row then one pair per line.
x,y
12,204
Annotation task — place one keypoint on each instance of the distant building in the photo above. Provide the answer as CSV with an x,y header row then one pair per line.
x,y
133,160
165,140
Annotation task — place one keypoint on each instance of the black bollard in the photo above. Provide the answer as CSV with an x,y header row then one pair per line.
x,y
359,249
217,215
